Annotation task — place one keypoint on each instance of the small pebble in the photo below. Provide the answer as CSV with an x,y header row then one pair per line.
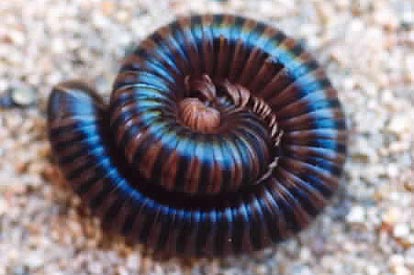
x,y
34,260
372,270
401,230
409,186
392,216
356,215
399,124
23,96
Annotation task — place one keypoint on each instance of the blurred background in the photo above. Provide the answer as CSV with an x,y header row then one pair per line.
x,y
367,48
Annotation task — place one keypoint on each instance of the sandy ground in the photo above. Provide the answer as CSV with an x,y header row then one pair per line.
x,y
368,50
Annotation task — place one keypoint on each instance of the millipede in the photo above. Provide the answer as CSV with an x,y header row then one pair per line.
x,y
221,136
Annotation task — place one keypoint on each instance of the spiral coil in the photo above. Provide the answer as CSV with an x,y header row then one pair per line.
x,y
222,136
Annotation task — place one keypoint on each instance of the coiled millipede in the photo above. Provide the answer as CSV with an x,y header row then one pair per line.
x,y
222,136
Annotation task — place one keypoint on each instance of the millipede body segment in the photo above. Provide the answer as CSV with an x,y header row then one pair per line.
x,y
222,136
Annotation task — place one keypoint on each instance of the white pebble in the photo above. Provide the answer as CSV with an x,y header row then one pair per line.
x,y
401,230
372,270
356,215
399,124
34,260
